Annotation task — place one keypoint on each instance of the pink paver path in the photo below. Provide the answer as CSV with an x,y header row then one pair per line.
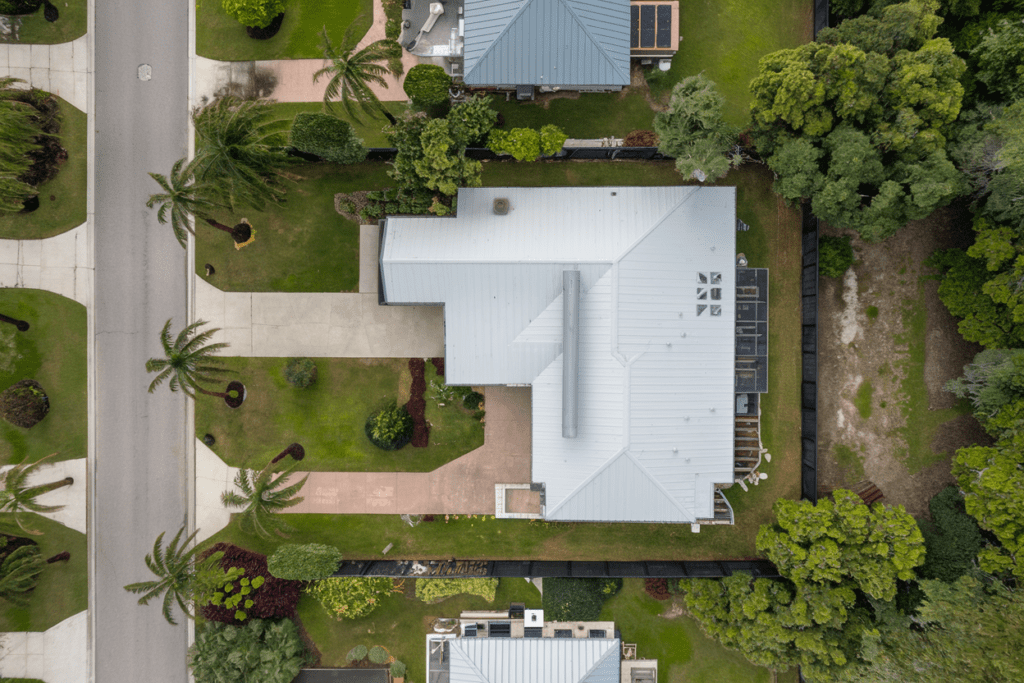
x,y
295,76
463,486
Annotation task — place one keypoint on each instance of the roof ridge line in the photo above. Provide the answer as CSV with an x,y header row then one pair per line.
x,y
595,41
607,463
467,660
600,660
512,20
654,480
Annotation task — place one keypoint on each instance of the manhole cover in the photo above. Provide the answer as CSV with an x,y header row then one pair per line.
x,y
145,72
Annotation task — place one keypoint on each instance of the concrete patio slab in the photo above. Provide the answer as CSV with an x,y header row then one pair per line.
x,y
55,655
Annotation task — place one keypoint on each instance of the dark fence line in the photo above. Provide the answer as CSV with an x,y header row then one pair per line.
x,y
538,569
809,359
484,154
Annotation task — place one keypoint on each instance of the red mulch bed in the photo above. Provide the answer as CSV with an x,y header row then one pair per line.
x,y
417,405
657,588
438,365
276,598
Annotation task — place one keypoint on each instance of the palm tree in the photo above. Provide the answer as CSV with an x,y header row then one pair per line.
x,y
262,497
183,196
189,361
239,150
351,75
19,136
19,574
18,497
176,572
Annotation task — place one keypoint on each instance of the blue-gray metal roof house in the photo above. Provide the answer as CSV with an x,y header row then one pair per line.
x,y
573,44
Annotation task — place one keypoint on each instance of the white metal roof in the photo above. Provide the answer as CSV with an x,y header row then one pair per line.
x,y
533,660
656,379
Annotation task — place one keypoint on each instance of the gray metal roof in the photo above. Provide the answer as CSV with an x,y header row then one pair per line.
x,y
656,368
547,42
534,660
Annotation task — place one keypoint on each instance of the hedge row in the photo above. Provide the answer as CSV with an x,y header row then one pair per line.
x,y
433,590
417,405
276,598
577,599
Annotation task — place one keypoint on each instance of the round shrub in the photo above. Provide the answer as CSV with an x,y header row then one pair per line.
x,y
398,669
300,372
378,655
350,598
308,562
390,428
473,400
551,139
24,404
328,137
522,143
835,255
427,85
15,7
256,13
641,138
356,654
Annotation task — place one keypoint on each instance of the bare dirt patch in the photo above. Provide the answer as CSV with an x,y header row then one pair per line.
x,y
873,386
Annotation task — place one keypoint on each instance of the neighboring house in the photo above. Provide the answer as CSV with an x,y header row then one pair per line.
x,y
618,306
582,45
505,647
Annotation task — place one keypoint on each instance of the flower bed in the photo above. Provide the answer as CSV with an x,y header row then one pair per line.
x,y
275,598
417,405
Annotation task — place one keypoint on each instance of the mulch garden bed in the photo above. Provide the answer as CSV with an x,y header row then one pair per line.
x,y
276,598
417,405
232,401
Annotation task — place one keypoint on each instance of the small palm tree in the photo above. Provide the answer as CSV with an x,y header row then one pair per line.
x,y
18,497
176,572
19,136
351,75
19,574
183,197
239,151
189,361
262,497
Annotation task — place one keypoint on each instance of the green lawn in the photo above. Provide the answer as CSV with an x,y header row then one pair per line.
x,y
63,586
220,36
726,38
328,418
62,200
401,623
52,352
71,24
369,129
592,115
302,245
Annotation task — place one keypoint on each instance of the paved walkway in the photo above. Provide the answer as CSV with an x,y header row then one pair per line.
x,y
294,77
60,69
323,325
56,655
60,264
71,497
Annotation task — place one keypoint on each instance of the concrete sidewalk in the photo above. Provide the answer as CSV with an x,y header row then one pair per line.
x,y
294,77
56,655
323,325
60,69
61,264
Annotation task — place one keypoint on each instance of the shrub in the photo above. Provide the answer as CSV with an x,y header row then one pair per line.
x,y
393,19
350,598
357,654
522,143
275,598
472,120
473,400
378,655
576,599
641,138
308,562
267,651
417,405
24,403
19,574
551,139
434,590
238,594
300,372
15,7
427,85
328,137
390,428
657,588
835,255
952,538
398,669
255,13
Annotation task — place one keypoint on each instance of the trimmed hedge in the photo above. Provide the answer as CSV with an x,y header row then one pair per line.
x,y
308,562
417,405
350,598
327,137
276,597
577,599
434,590
427,85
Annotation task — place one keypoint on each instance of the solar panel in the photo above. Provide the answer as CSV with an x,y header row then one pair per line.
x,y
597,633
647,20
634,26
664,25
563,633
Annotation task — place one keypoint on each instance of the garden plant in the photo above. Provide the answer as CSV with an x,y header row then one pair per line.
x,y
17,497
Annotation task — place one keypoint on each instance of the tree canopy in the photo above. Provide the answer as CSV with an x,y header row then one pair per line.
x,y
432,155
693,131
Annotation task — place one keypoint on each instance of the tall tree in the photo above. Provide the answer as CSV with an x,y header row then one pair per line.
x,y
17,497
262,497
432,156
240,151
184,197
351,76
1000,56
189,361
693,131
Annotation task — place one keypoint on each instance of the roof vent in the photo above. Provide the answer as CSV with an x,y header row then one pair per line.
x,y
501,206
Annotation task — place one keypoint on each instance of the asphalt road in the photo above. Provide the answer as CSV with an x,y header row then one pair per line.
x,y
140,481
